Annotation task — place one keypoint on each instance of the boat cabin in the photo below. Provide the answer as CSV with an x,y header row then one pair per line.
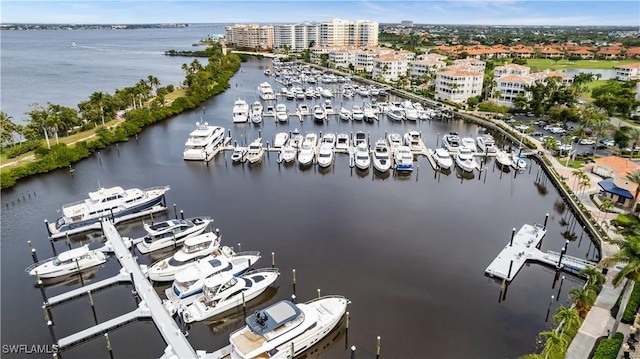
x,y
266,322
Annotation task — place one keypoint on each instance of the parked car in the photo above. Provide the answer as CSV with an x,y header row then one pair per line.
x,y
584,154
537,134
567,147
586,141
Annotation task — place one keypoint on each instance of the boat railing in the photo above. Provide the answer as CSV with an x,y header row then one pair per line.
x,y
328,297
262,270
157,188
39,263
73,204
247,253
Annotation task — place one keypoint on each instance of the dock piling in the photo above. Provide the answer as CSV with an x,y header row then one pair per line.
x,y
562,252
510,267
273,259
239,247
244,306
353,352
80,273
318,292
175,212
378,347
46,225
560,288
34,256
546,217
93,308
294,282
106,338
51,332
549,309
513,233
47,313
181,214
68,240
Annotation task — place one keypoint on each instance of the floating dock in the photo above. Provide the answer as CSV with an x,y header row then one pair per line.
x,y
523,247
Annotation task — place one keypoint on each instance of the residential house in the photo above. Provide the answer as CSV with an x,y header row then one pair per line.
x,y
628,72
615,185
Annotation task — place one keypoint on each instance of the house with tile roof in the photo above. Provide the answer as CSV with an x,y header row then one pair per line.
x,y
633,52
615,185
628,72
512,80
457,83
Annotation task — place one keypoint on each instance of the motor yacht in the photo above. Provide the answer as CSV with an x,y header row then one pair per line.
x,y
325,155
451,142
240,111
486,143
255,151
281,113
266,92
412,139
194,248
327,106
287,154
465,159
356,113
361,156
443,158
172,232
308,150
68,262
203,142
239,154
394,140
280,139
342,141
256,112
345,114
381,156
403,158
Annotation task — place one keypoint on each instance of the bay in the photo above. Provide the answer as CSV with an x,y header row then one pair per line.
x,y
409,251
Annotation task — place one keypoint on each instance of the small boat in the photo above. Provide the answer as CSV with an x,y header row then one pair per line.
x,y
443,158
280,139
362,91
269,110
412,139
255,151
68,262
486,143
203,142
328,107
342,141
285,329
361,156
318,114
503,159
325,155
348,93
170,233
369,113
303,109
394,140
219,297
451,142
328,139
256,112
73,44
194,248
308,150
469,143
361,138
326,93
518,162
239,154
383,107
288,154
403,158
465,159
410,113
299,93
115,202
345,114
240,111
267,72
395,114
189,281
356,113
381,157
281,113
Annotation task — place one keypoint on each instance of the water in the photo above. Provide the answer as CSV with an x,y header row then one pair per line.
x,y
604,74
409,251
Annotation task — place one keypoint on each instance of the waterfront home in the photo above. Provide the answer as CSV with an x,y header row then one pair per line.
x,y
628,72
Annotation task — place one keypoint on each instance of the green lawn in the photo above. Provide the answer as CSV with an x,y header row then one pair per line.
x,y
592,85
543,64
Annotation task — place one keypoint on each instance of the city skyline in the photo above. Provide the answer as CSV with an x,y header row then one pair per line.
x,y
476,12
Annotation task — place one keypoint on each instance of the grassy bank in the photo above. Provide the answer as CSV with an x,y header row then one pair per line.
x,y
543,64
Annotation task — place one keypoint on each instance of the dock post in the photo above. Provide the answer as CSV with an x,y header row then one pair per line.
x,y
294,282
549,309
47,313
581,234
244,306
513,233
293,350
44,295
510,267
46,225
106,338
51,332
259,133
175,241
181,214
33,252
318,292
68,240
560,288
293,298
175,212
53,247
80,273
93,308
239,247
378,347
437,138
353,352
546,217
562,252
273,259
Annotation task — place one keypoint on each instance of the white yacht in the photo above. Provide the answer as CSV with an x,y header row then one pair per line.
x,y
266,92
303,109
280,139
325,155
362,91
381,157
189,281
394,140
410,113
240,111
67,262
113,202
239,154
281,113
296,139
255,151
360,138
443,158
326,93
369,113
469,143
383,107
203,142
308,150
465,159
403,158
310,93
288,154
356,113
412,139
256,112
345,114
219,297
342,141
451,142
327,106
396,112
329,139
172,232
503,159
318,114
194,248
361,156
486,143
285,330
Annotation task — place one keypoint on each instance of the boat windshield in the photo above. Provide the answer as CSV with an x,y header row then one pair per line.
x,y
195,247
183,286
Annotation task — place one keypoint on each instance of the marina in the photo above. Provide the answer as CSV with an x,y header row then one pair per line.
x,y
340,219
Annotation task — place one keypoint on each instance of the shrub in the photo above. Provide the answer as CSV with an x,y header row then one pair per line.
x,y
608,348
22,148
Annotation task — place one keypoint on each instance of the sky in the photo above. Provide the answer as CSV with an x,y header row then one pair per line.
x,y
471,12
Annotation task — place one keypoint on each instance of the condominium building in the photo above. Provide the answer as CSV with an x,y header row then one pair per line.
x,y
458,83
259,37
296,37
628,72
420,68
512,80
391,67
359,33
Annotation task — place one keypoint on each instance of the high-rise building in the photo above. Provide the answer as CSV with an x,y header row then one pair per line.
x,y
360,33
252,36
296,36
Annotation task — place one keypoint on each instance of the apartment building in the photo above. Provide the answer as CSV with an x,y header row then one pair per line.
x,y
420,68
361,33
458,83
253,36
512,80
628,72
391,67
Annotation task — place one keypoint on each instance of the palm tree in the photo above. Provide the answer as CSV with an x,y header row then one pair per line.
x,y
7,128
554,343
569,316
606,205
600,126
98,99
583,298
153,82
635,178
577,174
634,136
595,278
628,254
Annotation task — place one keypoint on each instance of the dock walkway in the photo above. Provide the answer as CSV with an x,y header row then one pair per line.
x,y
122,277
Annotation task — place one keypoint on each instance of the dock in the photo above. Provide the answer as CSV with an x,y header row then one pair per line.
x,y
150,305
122,277
523,247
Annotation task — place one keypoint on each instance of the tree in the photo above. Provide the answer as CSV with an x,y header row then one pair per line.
x,y
153,82
601,126
570,316
583,298
520,102
39,120
629,255
634,177
582,80
554,343
634,137
7,129
595,278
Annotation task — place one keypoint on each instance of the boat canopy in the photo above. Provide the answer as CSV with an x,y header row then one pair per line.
x,y
266,320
